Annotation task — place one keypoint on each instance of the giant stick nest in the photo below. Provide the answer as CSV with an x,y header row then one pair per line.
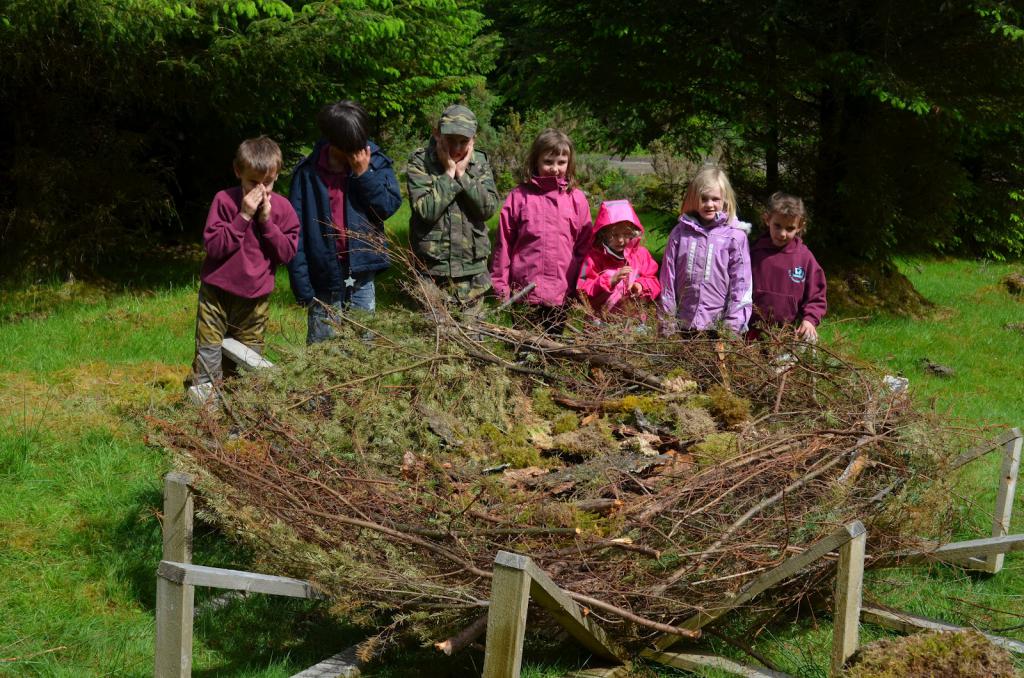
x,y
651,477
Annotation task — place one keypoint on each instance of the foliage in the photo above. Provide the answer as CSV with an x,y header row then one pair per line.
x,y
896,121
121,116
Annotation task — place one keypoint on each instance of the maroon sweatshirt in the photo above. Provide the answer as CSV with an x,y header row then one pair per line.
x,y
241,255
789,285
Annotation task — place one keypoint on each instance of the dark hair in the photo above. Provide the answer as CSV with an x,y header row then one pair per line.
x,y
345,125
260,153
547,141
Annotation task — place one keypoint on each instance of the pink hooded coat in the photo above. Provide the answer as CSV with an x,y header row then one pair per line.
x,y
601,264
544,232
705,274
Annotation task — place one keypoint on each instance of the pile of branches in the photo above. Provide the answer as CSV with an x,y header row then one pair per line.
x,y
651,477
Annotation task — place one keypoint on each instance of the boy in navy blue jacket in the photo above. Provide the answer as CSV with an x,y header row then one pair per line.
x,y
342,191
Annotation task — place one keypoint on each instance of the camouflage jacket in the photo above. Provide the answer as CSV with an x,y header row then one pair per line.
x,y
447,229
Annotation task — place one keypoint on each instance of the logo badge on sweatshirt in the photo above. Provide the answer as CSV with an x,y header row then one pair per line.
x,y
797,274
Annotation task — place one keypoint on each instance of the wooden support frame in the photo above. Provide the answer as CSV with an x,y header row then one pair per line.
x,y
175,601
516,579
1004,499
177,578
769,579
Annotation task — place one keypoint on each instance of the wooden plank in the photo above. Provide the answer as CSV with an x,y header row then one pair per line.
x,y
985,447
506,622
955,552
178,518
345,664
242,355
905,622
849,589
564,609
767,580
692,661
219,578
1004,499
174,607
175,601
620,671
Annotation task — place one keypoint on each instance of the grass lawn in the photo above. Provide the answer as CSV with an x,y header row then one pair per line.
x,y
81,366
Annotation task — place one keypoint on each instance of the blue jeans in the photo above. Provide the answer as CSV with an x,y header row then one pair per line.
x,y
361,295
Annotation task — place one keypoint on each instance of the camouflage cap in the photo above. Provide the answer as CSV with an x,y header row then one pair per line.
x,y
457,119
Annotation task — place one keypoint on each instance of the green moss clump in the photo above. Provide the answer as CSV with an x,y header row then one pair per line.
x,y
716,448
587,441
966,654
512,448
566,422
646,404
692,423
727,407
544,405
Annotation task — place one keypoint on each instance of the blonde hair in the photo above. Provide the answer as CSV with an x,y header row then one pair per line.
x,y
261,154
710,177
787,205
547,141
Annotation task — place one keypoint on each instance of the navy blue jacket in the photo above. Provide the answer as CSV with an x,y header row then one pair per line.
x,y
369,199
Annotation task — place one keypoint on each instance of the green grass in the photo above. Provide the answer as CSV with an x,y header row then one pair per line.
x,y
81,366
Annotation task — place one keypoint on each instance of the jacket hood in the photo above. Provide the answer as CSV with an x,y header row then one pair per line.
x,y
721,219
546,184
615,212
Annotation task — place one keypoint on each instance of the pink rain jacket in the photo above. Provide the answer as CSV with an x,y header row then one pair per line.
x,y
705,274
602,264
543,234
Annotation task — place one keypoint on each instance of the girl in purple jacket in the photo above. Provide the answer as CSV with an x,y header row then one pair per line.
x,y
789,285
544,232
705,270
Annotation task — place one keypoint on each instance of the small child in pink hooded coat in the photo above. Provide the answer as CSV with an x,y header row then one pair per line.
x,y
618,268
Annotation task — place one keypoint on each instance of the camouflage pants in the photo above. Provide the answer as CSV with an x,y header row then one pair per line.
x,y
221,314
464,292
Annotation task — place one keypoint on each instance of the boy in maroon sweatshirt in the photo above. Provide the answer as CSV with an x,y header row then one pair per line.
x,y
249,231
789,285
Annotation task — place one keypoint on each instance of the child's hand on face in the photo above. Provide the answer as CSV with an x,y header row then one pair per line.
x,y
251,201
264,214
359,161
807,331
621,274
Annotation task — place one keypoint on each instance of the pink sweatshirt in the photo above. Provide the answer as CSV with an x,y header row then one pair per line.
x,y
544,232
241,255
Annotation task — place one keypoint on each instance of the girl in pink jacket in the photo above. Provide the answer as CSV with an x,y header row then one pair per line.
x,y
544,231
705,270
619,274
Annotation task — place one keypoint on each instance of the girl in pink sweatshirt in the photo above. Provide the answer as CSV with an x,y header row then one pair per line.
x,y
544,232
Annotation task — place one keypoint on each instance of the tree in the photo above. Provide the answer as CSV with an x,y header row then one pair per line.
x,y
121,116
886,115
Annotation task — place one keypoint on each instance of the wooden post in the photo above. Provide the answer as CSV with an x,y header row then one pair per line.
x,y
175,602
506,622
849,587
1004,500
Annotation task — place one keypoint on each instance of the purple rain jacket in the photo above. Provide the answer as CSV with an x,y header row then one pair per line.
x,y
705,275
789,285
